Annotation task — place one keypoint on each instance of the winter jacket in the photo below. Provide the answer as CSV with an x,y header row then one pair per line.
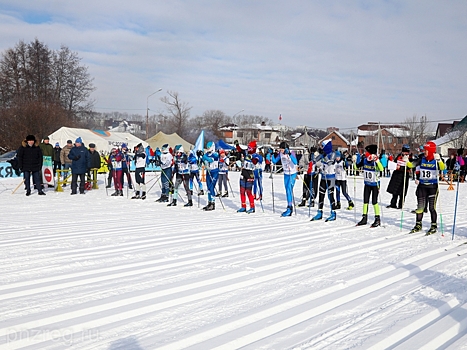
x,y
29,158
64,155
47,149
95,159
57,152
80,159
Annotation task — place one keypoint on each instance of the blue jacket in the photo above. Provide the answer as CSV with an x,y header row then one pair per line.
x,y
80,160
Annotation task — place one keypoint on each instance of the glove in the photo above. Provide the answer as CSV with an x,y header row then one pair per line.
x,y
316,154
405,158
77,157
255,161
437,157
319,164
199,153
222,160
286,151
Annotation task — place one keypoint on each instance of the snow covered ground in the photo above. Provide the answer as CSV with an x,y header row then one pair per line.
x,y
97,272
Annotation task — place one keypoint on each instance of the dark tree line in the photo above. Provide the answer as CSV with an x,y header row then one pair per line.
x,y
41,90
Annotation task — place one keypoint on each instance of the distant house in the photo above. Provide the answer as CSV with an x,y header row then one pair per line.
x,y
450,137
390,137
262,133
338,140
123,126
304,140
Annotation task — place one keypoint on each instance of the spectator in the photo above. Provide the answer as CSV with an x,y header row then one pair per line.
x,y
47,151
66,162
95,158
81,161
30,162
56,157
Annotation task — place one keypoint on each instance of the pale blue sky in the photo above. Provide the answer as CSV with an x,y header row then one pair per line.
x,y
318,63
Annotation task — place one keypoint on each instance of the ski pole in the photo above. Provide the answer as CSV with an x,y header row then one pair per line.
x,y
436,197
231,190
272,185
455,208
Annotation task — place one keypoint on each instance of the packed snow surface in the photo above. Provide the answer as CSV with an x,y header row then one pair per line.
x,y
99,272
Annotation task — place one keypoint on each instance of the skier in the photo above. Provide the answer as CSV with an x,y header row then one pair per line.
x,y
247,179
257,160
115,160
341,181
427,190
126,166
399,182
223,173
328,178
289,166
193,161
310,177
166,160
182,175
140,172
371,165
211,162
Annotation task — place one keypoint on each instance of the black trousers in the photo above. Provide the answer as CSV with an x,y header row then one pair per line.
x,y
74,182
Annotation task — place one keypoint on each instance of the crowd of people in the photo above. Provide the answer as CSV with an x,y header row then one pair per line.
x,y
324,170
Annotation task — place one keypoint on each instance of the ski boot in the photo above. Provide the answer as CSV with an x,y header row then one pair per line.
x,y
136,196
377,221
312,204
191,191
218,194
250,211
433,229
302,203
210,206
318,216
332,217
363,221
351,205
288,211
143,195
116,193
173,204
226,194
417,227
161,199
241,210
189,203
201,193
338,205
121,193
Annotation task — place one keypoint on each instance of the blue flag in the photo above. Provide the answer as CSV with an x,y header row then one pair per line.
x,y
199,145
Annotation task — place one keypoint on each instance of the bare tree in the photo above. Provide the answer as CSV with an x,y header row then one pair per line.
x,y
417,130
179,112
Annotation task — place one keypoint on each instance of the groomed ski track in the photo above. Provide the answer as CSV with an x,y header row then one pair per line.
x,y
111,273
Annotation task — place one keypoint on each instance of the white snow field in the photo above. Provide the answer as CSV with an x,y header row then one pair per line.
x,y
98,272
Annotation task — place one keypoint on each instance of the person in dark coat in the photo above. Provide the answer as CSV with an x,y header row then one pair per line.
x,y
56,157
30,163
399,183
80,163
95,158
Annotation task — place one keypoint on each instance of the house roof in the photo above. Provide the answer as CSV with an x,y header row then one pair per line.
x,y
338,134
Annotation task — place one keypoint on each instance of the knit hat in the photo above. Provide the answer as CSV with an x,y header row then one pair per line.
x,y
30,138
338,154
283,145
372,149
69,142
79,140
210,147
124,145
57,144
165,147
252,147
46,138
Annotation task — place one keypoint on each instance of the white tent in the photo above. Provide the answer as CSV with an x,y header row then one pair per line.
x,y
104,140
173,139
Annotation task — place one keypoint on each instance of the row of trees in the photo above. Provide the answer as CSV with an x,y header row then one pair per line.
x,y
41,90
